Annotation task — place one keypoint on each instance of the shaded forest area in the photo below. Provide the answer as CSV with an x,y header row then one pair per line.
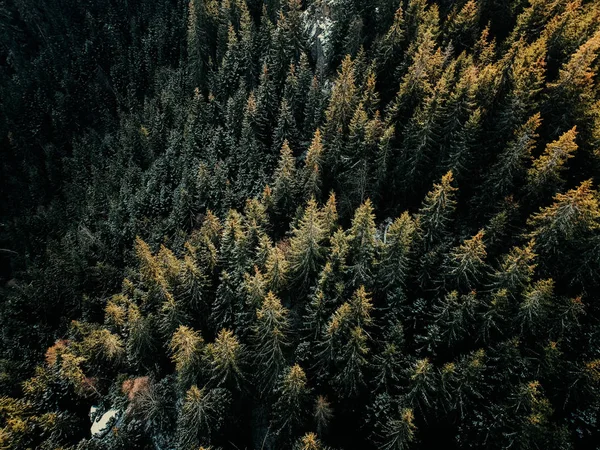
x,y
318,224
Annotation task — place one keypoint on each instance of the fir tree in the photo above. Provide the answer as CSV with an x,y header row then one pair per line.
x,y
292,405
312,171
271,340
224,359
285,183
363,244
202,413
306,244
544,175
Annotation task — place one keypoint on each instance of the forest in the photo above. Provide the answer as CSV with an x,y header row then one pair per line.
x,y
299,224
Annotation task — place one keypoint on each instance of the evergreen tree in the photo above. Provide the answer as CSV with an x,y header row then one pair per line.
x,y
306,244
285,131
271,340
516,269
463,25
433,223
510,169
465,264
573,90
346,343
544,175
566,230
202,414
363,244
340,110
399,432
395,262
186,346
312,171
390,51
285,183
292,405
224,359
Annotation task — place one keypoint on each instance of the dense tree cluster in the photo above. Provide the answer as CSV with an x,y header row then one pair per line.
x,y
300,224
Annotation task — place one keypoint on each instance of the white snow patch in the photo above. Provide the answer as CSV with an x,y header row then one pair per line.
x,y
101,425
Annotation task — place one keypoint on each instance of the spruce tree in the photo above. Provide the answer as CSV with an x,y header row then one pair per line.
x,y
285,183
363,245
224,359
545,174
292,405
270,340
306,244
313,168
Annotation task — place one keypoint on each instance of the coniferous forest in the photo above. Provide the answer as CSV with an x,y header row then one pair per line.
x,y
299,224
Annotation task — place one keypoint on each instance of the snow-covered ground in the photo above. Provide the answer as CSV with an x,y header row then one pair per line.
x,y
102,424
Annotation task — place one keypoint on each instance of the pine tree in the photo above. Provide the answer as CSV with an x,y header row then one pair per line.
x,y
312,171
341,108
419,81
225,307
495,315
544,175
322,414
285,183
465,265
270,340
510,169
363,244
436,212
399,432
421,139
247,38
277,270
193,282
197,40
346,343
230,72
463,382
574,92
255,224
485,47
526,65
328,293
421,392
224,21
202,413
330,215
463,25
141,342
397,247
232,251
355,166
266,108
565,232
390,51
186,347
454,317
534,309
292,405
516,269
313,109
306,244
308,442
224,359
388,363
286,130
433,223
294,28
